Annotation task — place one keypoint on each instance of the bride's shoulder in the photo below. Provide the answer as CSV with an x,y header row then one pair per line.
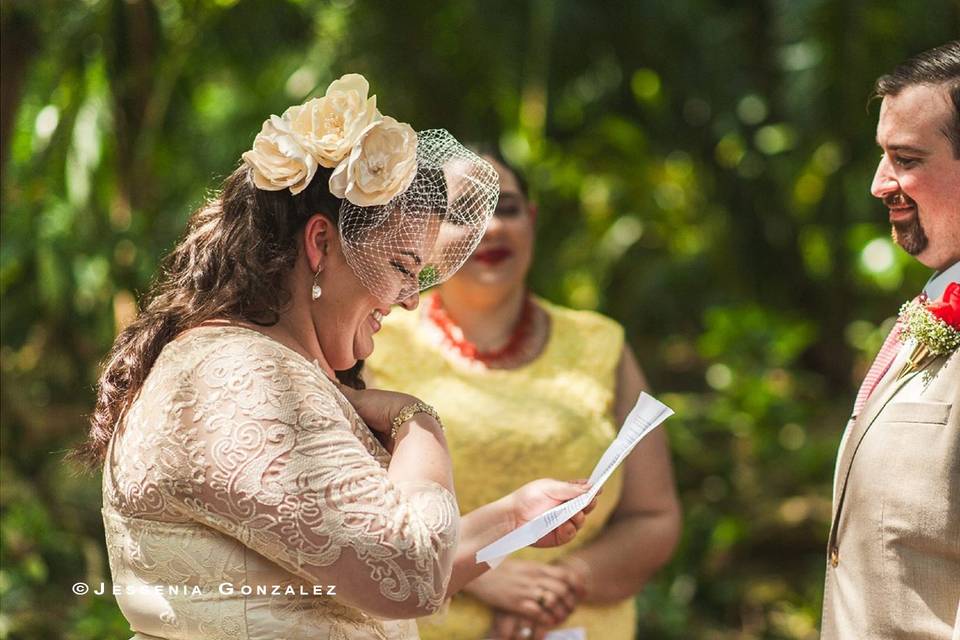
x,y
222,349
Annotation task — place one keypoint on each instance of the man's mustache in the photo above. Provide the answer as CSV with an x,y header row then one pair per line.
x,y
898,200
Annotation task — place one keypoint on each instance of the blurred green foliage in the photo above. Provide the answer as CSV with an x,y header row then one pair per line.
x,y
701,166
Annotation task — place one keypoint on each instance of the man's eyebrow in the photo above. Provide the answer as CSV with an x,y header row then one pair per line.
x,y
906,148
415,257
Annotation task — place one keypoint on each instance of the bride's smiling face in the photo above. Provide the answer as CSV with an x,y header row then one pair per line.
x,y
347,314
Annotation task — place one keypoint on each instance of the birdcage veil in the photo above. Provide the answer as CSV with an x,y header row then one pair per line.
x,y
425,234
414,205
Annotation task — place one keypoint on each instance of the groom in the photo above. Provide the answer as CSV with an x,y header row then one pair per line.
x,y
893,557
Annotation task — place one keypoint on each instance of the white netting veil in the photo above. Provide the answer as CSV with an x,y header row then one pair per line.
x,y
423,235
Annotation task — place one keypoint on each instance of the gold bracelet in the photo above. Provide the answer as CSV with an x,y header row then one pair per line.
x,y
408,412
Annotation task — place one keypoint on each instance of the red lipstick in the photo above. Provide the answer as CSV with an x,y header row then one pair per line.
x,y
492,256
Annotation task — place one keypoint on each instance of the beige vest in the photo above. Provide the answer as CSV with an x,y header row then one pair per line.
x,y
893,556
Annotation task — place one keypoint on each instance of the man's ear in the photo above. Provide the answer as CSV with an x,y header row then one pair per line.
x,y
318,233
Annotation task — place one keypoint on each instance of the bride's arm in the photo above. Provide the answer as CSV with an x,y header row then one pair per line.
x,y
263,454
420,452
496,519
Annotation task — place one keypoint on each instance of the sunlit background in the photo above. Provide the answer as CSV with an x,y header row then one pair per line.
x,y
702,169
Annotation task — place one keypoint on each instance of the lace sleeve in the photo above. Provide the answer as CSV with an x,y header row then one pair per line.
x,y
273,461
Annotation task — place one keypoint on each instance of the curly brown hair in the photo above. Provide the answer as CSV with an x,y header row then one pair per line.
x,y
232,263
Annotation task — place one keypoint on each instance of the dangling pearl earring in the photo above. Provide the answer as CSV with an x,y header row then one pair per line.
x,y
315,291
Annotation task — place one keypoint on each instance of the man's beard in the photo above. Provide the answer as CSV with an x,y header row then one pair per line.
x,y
909,234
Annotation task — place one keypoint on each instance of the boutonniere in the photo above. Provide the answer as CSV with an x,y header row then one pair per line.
x,y
933,326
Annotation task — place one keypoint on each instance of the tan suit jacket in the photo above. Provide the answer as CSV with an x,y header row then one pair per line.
x,y
893,557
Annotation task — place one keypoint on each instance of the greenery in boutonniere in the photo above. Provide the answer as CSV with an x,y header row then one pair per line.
x,y
933,326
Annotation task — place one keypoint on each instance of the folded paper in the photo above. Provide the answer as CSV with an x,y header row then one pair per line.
x,y
646,415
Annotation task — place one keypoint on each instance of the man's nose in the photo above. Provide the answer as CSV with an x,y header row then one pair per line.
x,y
884,180
411,302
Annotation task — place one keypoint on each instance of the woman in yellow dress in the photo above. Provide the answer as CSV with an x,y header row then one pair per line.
x,y
531,389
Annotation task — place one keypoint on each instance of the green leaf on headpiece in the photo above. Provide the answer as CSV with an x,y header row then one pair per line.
x,y
428,275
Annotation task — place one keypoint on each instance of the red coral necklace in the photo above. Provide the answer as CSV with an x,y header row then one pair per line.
x,y
453,334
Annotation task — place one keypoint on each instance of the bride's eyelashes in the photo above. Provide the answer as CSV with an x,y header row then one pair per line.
x,y
402,269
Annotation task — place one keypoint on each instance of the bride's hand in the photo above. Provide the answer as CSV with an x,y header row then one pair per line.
x,y
533,498
377,407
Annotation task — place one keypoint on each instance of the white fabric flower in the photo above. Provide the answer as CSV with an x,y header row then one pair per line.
x,y
330,126
380,166
278,158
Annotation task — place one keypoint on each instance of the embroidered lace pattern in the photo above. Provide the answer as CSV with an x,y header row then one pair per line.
x,y
240,463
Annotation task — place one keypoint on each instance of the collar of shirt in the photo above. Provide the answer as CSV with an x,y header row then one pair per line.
x,y
938,282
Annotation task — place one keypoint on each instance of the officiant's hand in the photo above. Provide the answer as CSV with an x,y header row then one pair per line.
x,y
541,592
511,626
534,498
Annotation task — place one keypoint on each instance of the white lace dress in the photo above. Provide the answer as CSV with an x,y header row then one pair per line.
x,y
242,486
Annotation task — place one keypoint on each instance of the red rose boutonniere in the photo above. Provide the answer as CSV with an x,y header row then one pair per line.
x,y
933,326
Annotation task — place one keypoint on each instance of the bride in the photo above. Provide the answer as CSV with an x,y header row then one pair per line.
x,y
252,488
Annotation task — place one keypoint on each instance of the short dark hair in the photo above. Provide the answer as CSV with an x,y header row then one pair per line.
x,y
493,151
936,66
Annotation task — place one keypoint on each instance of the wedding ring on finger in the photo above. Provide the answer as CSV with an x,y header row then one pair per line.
x,y
526,632
542,599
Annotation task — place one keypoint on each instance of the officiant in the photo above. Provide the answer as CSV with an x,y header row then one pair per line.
x,y
528,388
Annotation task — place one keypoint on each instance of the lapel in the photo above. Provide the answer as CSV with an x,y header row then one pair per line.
x,y
885,390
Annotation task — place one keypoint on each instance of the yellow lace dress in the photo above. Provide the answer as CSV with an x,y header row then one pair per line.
x,y
549,418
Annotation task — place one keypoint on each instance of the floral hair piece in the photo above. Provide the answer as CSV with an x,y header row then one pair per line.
x,y
414,206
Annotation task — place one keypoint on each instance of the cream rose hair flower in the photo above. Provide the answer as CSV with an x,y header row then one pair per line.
x,y
330,126
374,157
380,166
278,158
